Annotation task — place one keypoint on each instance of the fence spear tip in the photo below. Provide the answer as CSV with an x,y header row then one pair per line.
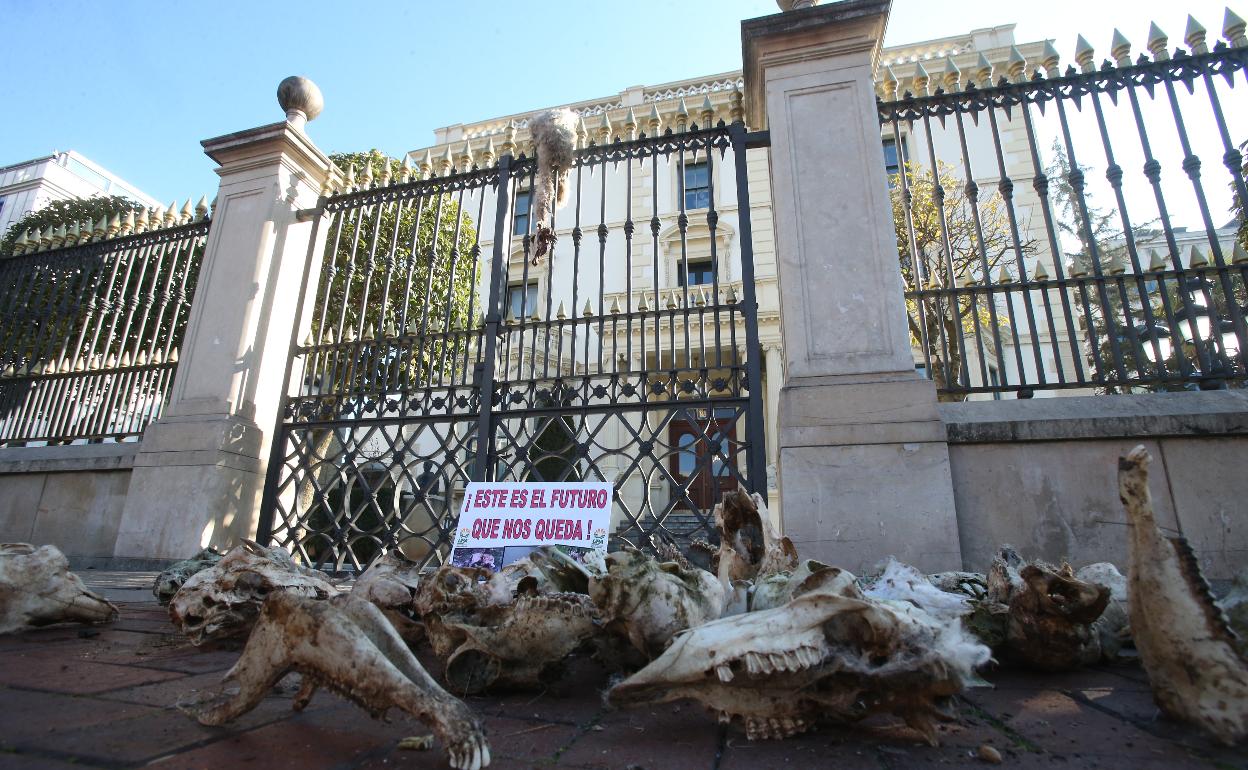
x,y
1194,36
1120,49
1233,29
1157,42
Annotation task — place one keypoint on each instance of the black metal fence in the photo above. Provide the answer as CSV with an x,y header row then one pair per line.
x,y
430,364
93,319
1025,271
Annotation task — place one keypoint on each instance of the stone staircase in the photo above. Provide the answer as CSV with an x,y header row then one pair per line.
x,y
681,527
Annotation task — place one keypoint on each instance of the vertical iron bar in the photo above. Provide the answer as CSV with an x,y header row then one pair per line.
x,y
756,455
498,272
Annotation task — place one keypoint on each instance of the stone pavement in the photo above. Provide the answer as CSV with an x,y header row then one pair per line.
x,y
104,697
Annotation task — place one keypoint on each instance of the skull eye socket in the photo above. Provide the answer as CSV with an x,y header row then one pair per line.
x,y
451,581
210,602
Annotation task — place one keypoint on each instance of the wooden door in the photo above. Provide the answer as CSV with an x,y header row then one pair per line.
x,y
704,452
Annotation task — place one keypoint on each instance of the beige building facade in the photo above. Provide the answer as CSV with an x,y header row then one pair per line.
x,y
651,268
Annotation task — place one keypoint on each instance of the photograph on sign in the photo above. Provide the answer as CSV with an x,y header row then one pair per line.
x,y
503,522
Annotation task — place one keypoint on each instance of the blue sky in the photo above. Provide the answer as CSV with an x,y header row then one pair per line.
x,y
136,85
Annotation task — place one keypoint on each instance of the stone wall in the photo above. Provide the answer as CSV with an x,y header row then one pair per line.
x,y
69,496
1041,475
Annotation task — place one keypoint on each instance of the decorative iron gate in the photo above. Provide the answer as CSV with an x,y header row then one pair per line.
x,y
628,354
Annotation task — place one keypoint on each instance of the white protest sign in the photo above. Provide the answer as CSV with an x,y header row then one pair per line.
x,y
502,522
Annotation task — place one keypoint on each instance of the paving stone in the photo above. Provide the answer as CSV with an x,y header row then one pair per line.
x,y
527,740
514,743
826,746
38,720
192,661
169,693
1118,677
287,745
677,735
575,698
45,670
41,637
28,761
106,699
1058,724
157,733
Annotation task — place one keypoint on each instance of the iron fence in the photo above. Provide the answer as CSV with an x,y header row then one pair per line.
x,y
434,360
1018,277
93,318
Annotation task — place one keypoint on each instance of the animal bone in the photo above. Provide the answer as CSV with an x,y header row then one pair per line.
x,y
554,139
391,583
175,576
779,589
1003,578
347,645
1113,626
1235,605
749,546
901,582
37,589
513,630
1050,620
1042,616
970,584
830,652
1185,644
223,601
521,644
649,602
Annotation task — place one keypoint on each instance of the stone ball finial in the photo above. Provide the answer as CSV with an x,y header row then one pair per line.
x,y
300,99
796,5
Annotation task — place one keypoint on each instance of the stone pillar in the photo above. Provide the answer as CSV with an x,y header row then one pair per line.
x,y
864,467
200,471
771,419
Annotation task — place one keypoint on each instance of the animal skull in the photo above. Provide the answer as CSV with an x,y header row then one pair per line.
x,y
521,644
37,589
749,546
649,602
1051,617
347,645
829,652
223,601
391,583
503,629
172,579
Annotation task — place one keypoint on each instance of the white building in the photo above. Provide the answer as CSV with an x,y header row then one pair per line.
x,y
30,185
466,143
